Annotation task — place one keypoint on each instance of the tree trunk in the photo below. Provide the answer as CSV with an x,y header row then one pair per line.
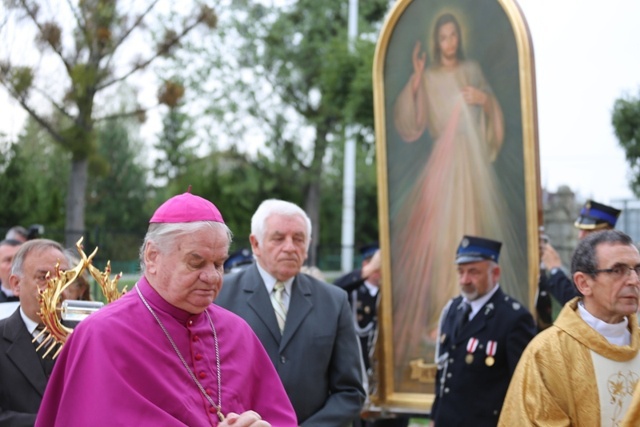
x,y
76,200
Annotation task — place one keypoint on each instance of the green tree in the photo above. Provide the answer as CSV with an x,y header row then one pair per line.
x,y
34,172
175,142
33,176
626,124
117,198
84,46
366,209
236,183
286,77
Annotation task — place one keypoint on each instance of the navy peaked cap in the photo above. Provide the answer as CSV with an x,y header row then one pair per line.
x,y
597,216
367,251
473,249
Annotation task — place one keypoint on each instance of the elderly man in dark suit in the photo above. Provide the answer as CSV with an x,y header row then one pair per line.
x,y
304,324
482,335
23,372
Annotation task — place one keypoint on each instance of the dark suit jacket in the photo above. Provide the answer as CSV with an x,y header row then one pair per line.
x,y
22,378
317,357
470,392
5,298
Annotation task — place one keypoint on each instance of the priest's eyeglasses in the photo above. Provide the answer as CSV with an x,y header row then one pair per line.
x,y
619,271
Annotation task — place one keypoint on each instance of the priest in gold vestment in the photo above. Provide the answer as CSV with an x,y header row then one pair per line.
x,y
584,369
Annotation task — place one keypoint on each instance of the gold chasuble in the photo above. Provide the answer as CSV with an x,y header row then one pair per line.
x,y
571,375
633,414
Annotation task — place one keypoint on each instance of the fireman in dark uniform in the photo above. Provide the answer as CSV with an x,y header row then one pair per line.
x,y
482,334
363,285
554,281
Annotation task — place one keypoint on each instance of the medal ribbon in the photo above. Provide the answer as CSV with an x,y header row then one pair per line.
x,y
472,345
492,347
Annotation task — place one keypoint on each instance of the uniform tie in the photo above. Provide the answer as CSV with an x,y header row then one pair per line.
x,y
462,316
277,300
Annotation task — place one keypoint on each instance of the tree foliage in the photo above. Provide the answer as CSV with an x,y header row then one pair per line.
x,y
83,48
175,142
366,211
117,198
275,89
626,124
29,169
34,172
288,79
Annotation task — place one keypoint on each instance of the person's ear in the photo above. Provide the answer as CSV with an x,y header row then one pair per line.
x,y
14,283
255,245
583,282
151,255
496,273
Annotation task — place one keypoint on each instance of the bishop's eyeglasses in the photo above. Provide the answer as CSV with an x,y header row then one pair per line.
x,y
619,271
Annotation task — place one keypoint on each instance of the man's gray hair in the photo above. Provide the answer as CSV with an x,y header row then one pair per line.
x,y
17,232
584,257
164,235
279,207
35,245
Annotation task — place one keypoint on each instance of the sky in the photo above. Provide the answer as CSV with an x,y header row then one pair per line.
x,y
585,58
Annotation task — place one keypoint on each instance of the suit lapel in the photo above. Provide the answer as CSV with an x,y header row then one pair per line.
x,y
22,352
259,301
300,305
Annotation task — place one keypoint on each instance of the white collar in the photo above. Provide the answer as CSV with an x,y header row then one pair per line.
x,y
30,324
270,281
477,304
7,291
616,334
373,290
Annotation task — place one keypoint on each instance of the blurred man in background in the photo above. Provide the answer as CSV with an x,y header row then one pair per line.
x,y
24,372
363,288
8,249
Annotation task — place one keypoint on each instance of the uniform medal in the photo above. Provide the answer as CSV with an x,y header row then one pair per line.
x,y
471,348
492,346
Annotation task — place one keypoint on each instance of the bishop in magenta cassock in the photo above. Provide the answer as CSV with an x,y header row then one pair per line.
x,y
163,355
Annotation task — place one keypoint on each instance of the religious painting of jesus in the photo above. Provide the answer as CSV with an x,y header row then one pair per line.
x,y
457,155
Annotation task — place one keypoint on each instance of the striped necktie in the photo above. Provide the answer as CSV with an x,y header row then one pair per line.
x,y
277,300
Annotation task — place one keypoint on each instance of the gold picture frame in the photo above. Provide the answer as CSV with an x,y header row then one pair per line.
x,y
435,184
